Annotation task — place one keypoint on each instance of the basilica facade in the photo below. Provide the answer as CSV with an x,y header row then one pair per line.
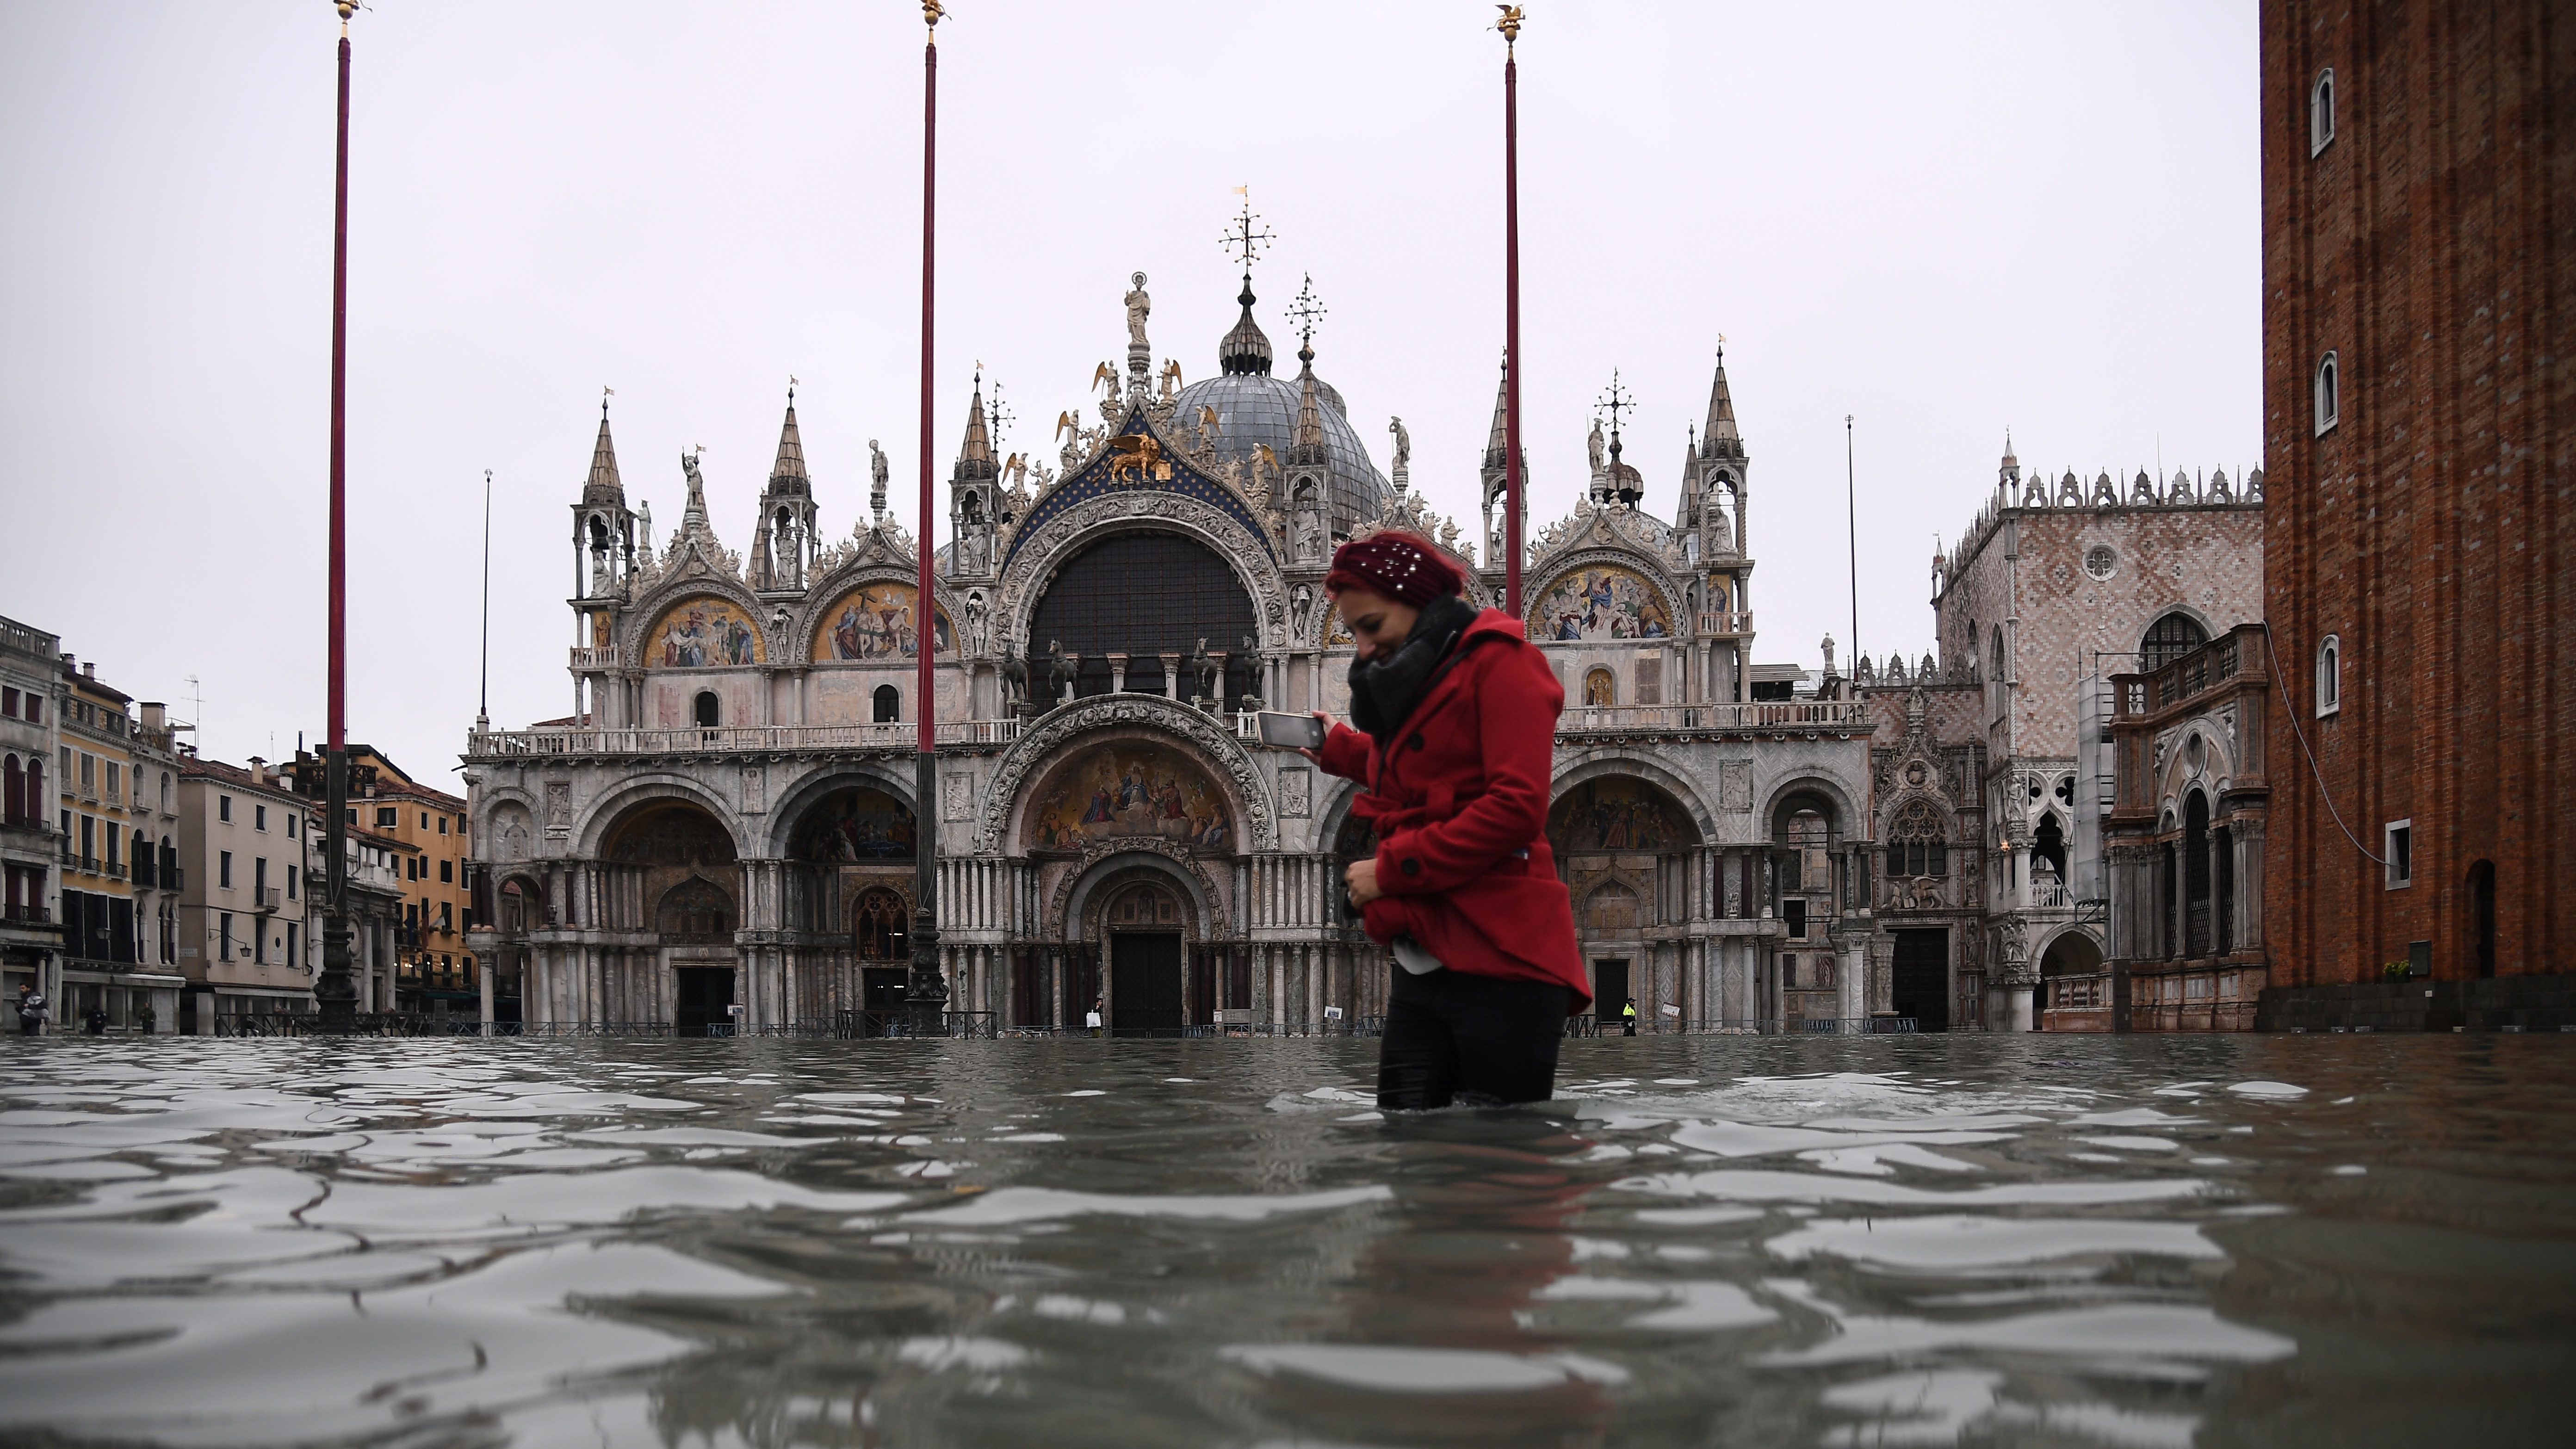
x,y
722,834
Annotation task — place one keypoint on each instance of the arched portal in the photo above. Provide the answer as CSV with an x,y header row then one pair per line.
x,y
1625,848
668,868
1143,596
1142,924
845,843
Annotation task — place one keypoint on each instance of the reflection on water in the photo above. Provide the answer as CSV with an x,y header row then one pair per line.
x,y
1917,1241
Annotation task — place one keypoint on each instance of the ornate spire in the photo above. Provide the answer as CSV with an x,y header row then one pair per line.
x,y
1308,444
604,486
787,475
1619,479
1498,441
975,456
1721,411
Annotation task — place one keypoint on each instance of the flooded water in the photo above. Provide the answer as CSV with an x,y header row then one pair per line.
x,y
1711,1240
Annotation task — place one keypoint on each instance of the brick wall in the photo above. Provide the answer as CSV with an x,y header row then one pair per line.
x,y
2427,244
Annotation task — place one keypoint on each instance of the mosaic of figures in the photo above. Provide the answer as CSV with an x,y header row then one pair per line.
x,y
1130,790
1614,814
854,825
1600,603
702,633
875,621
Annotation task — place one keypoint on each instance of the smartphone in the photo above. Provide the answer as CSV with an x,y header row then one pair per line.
x,y
1292,731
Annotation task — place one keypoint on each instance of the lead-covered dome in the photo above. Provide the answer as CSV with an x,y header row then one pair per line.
x,y
1253,408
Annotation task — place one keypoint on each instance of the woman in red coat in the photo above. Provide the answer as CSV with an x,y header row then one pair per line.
x,y
1456,716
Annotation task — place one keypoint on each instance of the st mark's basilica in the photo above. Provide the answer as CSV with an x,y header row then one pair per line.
x,y
722,834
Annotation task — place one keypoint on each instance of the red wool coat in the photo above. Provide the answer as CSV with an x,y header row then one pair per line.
x,y
1459,801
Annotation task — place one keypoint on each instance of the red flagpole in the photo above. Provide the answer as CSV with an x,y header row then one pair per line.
x,y
927,995
1511,27
923,605
335,994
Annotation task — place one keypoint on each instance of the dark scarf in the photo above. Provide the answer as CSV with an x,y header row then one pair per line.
x,y
1384,691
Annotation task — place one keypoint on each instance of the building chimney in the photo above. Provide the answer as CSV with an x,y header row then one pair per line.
x,y
89,671
259,769
156,715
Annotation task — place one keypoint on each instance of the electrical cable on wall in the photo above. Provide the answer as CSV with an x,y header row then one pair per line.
x,y
2322,792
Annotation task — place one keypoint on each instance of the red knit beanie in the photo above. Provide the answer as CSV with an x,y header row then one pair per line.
x,y
1399,565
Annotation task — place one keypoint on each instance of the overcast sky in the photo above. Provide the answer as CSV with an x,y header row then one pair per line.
x,y
1944,220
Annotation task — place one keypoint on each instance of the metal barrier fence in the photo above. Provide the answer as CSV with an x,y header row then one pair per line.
x,y
987,1026
1354,1026
367,1023
1584,1026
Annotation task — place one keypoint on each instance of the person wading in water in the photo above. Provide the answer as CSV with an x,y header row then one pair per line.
x,y
1456,716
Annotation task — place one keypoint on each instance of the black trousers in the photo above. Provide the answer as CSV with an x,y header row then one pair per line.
x,y
1452,1037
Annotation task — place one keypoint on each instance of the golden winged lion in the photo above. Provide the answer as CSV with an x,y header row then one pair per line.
x,y
1136,453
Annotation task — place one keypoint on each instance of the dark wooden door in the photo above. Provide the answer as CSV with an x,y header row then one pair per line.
x,y
1922,984
701,999
1609,989
1145,972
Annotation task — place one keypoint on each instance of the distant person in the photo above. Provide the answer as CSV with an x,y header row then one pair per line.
x,y
1091,1018
1628,1018
31,1011
1455,714
146,1020
97,1021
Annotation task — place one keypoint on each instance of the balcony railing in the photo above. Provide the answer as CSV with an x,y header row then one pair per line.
x,y
265,898
1837,715
1840,715
2079,993
1724,623
28,916
726,739
602,657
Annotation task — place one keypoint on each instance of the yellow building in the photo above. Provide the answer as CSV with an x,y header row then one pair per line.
x,y
112,809
433,970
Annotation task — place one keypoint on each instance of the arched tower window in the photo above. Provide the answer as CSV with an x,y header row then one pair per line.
x,y
708,708
2329,393
889,704
2330,676
2321,111
2169,639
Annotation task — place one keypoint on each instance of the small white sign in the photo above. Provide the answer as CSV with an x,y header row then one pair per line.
x,y
1332,1013
1671,1010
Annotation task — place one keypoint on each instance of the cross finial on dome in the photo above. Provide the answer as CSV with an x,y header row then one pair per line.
x,y
1241,238
1307,312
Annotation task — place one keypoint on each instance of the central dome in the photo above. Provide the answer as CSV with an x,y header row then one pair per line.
x,y
1253,408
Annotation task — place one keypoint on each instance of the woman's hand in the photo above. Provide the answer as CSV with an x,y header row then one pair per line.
x,y
1327,722
1361,880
